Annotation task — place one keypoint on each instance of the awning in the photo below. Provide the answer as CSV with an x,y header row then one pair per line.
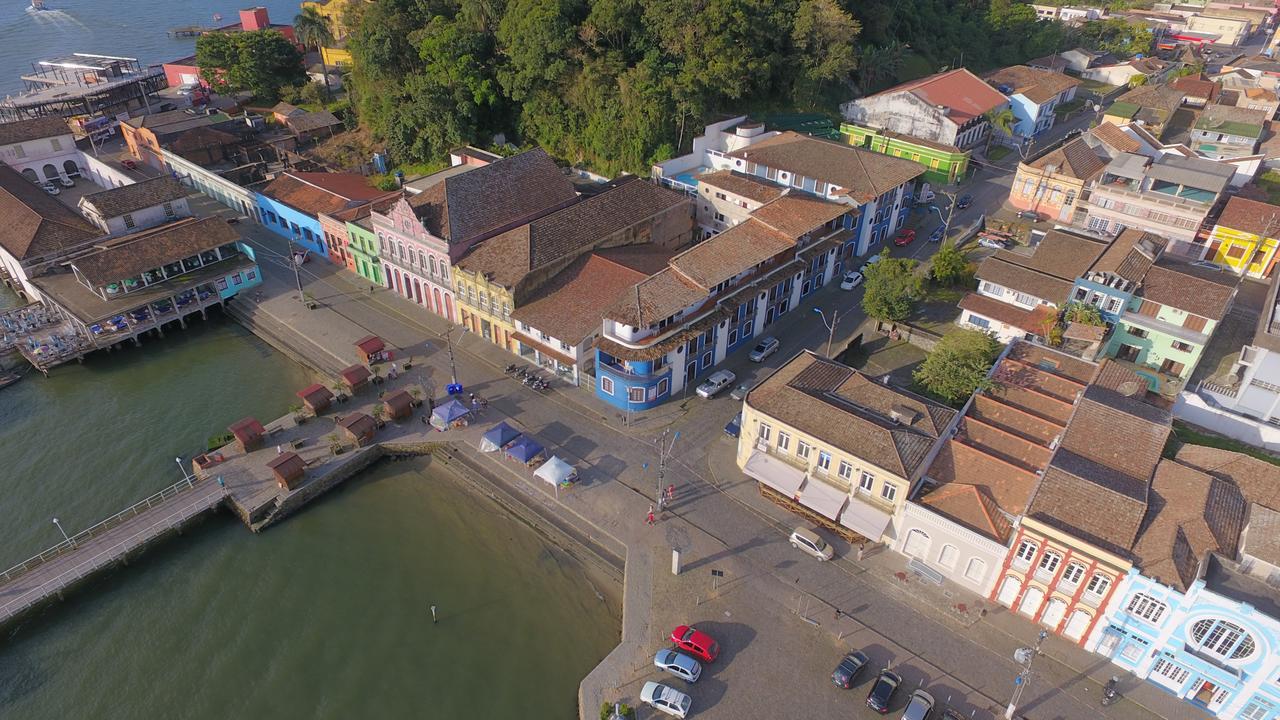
x,y
867,521
774,473
556,471
524,449
823,499
498,437
448,412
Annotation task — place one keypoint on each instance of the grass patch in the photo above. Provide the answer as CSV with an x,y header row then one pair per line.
x,y
1094,86
998,153
1269,182
1185,435
914,66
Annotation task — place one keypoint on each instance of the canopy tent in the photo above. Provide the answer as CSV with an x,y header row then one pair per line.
x,y
444,415
775,473
823,499
497,437
557,472
524,449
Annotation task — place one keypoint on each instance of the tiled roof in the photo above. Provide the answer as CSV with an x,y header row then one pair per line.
x,y
130,255
1258,480
1197,86
505,259
796,214
1023,279
1074,159
724,256
655,298
972,507
1189,514
200,138
1032,321
1244,122
1061,254
840,406
571,307
1098,513
1038,86
1130,255
287,110
309,121
1203,291
1251,216
35,224
748,186
964,94
318,192
487,199
131,198
1263,541
33,129
861,174
1115,138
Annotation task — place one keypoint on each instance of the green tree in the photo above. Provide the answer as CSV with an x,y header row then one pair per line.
x,y
950,266
824,35
1116,35
892,288
312,30
1001,120
261,61
535,38
1083,313
959,364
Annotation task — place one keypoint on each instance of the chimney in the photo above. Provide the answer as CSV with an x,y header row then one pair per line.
x,y
254,19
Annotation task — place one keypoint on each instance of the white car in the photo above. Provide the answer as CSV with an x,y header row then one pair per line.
x,y
852,279
718,381
763,349
807,541
666,699
870,261
50,188
678,664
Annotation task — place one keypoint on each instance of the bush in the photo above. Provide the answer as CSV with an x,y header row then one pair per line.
x,y
606,711
958,366
951,266
893,288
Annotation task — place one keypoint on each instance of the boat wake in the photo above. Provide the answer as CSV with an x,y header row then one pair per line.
x,y
55,18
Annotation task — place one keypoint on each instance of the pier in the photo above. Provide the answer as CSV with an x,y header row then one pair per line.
x,y
189,31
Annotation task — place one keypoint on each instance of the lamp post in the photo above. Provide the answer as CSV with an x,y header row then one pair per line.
x,y
183,468
64,532
664,454
293,263
831,326
1024,656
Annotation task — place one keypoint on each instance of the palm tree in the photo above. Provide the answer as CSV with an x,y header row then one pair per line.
x,y
312,30
1002,120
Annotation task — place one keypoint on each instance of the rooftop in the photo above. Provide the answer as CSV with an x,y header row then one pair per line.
x,y
1050,271
730,253
860,174
36,225
748,186
1258,480
319,192
972,507
137,196
1130,255
1162,98
34,129
309,121
1192,288
1251,216
963,94
116,259
1115,138
1036,85
1075,159
1243,122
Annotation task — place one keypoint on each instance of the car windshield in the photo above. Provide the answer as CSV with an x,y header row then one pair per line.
x,y
669,658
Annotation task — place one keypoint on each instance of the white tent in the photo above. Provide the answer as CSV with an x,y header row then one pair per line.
x,y
556,471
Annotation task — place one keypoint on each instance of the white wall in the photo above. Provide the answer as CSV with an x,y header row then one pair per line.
x,y
102,173
1194,409
144,218
213,185
35,154
969,546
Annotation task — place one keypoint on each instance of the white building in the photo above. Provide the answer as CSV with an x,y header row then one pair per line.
x,y
129,208
38,230
1034,96
1252,386
40,148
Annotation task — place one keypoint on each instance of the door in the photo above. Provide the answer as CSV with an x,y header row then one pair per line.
x,y
1128,353
1031,601
1172,368
1076,626
1009,591
1053,613
917,544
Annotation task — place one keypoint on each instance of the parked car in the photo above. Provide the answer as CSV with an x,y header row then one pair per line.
x,y
718,381
1028,215
66,182
964,202
870,261
50,188
666,699
129,164
919,707
695,642
678,664
852,279
808,542
937,234
882,691
905,237
850,665
740,392
733,428
186,90
763,349
993,243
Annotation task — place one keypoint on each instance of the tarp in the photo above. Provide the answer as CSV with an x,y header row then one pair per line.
x,y
497,437
445,414
556,471
775,473
822,498
524,449
866,520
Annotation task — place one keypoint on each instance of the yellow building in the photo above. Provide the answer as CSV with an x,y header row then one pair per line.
x,y
335,12
1245,237
840,448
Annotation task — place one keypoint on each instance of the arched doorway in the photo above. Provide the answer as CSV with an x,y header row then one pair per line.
x,y
50,171
30,174
448,306
72,170
437,305
1031,601
1009,591
1053,613
417,290
1076,626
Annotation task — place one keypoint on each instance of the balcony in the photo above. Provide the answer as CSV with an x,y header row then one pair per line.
x,y
1213,659
785,456
618,369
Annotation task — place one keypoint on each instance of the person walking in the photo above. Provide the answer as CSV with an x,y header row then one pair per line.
x,y
671,493
651,520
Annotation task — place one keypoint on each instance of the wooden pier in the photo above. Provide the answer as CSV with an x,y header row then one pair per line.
x,y
189,31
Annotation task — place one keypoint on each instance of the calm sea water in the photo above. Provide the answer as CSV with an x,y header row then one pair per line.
x,y
131,28
324,616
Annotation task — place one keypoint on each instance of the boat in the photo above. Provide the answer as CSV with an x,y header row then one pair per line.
x,y
8,379
36,6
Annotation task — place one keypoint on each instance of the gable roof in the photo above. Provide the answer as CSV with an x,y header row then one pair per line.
x,y
124,257
1161,98
1036,85
1192,288
970,506
748,186
1074,158
964,95
860,174
1115,138
319,192
1258,480
1251,216
723,256
308,121
35,224
33,129
137,196
1130,255
1197,86
1050,271
571,306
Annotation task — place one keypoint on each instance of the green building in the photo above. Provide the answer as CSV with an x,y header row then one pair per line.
x,y
364,248
944,164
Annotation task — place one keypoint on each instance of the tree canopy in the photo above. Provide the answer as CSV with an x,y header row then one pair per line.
x,y
950,266
261,61
892,289
958,365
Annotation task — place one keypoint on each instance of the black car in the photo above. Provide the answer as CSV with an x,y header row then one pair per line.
x,y
964,202
848,669
882,691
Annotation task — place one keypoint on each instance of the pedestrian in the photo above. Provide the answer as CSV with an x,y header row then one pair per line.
x,y
279,450
651,520
221,483
671,492
861,549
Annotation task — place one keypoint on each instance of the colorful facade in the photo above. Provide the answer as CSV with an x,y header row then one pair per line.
x,y
943,164
485,308
1246,236
363,247
415,264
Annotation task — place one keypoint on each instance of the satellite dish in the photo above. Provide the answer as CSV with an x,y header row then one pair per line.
x,y
1129,388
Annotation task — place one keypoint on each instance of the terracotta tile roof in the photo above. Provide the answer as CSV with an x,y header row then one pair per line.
x,y
1050,271
1251,216
970,506
1190,514
571,307
1197,86
1009,485
34,129
1115,138
748,186
1094,512
488,199
1263,540
285,109
317,192
505,259
358,424
1074,159
1191,288
1016,276
1258,480
201,138
124,257
861,174
721,257
964,94
1154,97
1038,86
138,196
308,121
655,298
1032,321
796,214
840,406
35,224
1130,255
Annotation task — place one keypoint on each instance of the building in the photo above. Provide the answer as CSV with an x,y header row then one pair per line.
x,y
948,108
1197,90
943,164
1019,296
1054,182
1170,319
343,250
1170,196
39,231
728,197
1223,131
334,13
1151,106
680,322
185,71
1077,60
1071,15
105,85
1152,70
1230,30
503,272
363,252
844,449
1251,387
147,135
310,126
41,148
423,236
291,204
1245,237
1033,96
1110,283
137,206
1261,99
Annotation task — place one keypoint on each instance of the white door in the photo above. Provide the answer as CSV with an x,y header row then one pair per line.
x,y
1077,624
1008,591
1031,601
917,544
1053,613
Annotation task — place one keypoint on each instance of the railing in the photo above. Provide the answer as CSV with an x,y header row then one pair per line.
x,y
1226,391
79,538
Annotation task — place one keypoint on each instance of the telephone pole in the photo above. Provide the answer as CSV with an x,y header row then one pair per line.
x,y
664,454
1024,656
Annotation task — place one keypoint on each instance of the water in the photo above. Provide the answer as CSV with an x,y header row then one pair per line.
x,y
324,616
131,28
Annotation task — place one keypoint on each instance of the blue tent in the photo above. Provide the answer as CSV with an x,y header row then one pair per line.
x,y
444,415
524,449
498,437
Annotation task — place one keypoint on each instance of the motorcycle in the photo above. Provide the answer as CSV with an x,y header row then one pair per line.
x,y
510,369
1109,692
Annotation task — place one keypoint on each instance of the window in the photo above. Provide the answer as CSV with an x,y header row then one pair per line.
x,y
663,386
979,321
1049,561
1113,305
888,491
1164,668
866,482
947,557
719,216
784,440
1025,299
1137,332
128,221
635,394
222,283
1073,573
1098,585
168,209
845,471
1257,710
765,431
19,152
824,460
236,279
1026,551
803,449
1080,294
1223,638
1235,252
606,385
1179,345
975,570
1146,607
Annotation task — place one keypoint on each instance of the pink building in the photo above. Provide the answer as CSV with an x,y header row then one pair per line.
x,y
423,234
185,71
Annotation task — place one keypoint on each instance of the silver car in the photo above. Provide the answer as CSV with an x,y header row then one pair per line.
x,y
678,664
666,699
808,542
718,381
763,349
919,707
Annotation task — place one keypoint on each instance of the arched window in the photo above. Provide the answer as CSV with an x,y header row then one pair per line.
x,y
1222,638
917,544
975,570
947,556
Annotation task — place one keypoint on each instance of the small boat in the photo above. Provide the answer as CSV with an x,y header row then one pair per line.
x,y
8,379
36,6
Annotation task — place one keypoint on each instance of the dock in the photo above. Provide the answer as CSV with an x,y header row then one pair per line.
x,y
189,31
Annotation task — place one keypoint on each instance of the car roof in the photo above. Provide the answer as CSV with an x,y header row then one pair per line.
x,y
807,534
650,690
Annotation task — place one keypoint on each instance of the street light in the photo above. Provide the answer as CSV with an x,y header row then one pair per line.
x,y
183,468
293,262
831,326
64,532
1023,656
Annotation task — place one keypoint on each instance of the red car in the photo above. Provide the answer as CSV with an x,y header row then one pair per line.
x,y
696,643
129,164
905,237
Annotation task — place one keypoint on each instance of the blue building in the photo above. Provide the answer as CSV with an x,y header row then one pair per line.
x,y
1197,616
291,204
1034,96
1113,279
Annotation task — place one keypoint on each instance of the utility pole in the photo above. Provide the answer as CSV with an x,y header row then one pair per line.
x,y
664,454
453,368
1024,656
293,262
831,326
